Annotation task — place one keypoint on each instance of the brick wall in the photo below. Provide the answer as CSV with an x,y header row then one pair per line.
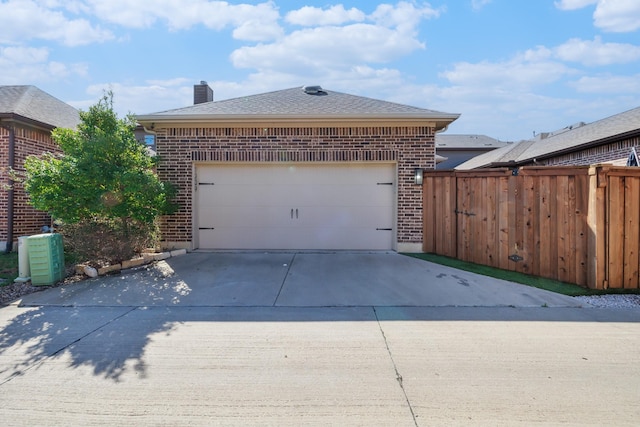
x,y
408,146
4,181
27,220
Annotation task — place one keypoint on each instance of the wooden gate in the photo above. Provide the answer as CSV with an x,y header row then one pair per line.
x,y
574,224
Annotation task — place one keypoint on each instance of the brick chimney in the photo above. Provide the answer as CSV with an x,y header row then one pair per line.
x,y
202,93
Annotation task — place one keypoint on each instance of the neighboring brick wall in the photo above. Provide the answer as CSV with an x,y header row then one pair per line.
x,y
27,220
591,156
4,180
408,146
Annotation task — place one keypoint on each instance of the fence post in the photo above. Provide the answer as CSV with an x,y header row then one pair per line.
x,y
598,231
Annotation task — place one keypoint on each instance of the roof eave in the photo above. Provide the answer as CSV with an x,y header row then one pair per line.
x,y
149,120
17,118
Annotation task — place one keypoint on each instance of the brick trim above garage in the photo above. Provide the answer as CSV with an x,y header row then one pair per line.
x,y
295,156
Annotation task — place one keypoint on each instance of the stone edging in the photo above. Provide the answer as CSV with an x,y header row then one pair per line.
x,y
146,258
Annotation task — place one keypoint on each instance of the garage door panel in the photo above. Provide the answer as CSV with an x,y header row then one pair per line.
x,y
233,175
368,217
345,238
325,195
245,238
231,216
346,206
310,238
243,195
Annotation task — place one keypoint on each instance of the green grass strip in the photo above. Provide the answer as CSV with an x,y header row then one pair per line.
x,y
8,267
517,277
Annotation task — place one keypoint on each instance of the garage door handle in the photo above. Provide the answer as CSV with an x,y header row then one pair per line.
x,y
291,213
296,213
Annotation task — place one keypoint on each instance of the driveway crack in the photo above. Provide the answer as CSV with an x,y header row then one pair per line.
x,y
395,368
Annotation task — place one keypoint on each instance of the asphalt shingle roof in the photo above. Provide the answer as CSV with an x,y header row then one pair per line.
x,y
500,155
34,104
295,102
618,124
567,140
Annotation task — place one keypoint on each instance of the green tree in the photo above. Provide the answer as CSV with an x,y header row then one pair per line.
x,y
103,187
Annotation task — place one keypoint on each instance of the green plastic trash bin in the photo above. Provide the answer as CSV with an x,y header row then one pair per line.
x,y
46,259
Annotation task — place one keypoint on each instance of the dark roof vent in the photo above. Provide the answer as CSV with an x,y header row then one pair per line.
x,y
313,90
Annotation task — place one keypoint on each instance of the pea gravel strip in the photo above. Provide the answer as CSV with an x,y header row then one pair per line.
x,y
611,301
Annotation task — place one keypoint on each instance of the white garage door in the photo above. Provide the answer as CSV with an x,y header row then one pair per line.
x,y
295,206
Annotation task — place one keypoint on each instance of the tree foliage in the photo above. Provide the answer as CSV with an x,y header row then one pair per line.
x,y
103,176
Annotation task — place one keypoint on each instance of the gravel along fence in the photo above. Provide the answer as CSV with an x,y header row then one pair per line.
x,y
611,301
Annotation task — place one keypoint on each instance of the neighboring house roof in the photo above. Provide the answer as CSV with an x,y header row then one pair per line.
x,y
570,139
32,105
296,104
596,133
440,159
498,157
467,142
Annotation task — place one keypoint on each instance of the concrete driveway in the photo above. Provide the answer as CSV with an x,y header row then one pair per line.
x,y
298,280
313,339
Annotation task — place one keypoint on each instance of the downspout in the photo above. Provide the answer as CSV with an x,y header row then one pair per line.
x,y
10,195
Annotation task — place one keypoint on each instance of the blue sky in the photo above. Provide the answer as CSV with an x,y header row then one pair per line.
x,y
509,67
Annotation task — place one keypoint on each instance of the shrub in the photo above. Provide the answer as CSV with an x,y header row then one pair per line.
x,y
103,187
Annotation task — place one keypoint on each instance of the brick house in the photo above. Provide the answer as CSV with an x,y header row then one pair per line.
x,y
27,117
609,140
301,168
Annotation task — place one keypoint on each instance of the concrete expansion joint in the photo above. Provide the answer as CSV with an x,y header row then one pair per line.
x,y
284,279
395,368
64,347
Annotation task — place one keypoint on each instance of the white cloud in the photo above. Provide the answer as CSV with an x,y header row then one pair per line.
x,y
523,72
617,16
135,98
390,32
24,55
309,16
327,48
177,81
479,4
22,20
252,22
404,16
256,30
18,63
609,85
574,4
595,52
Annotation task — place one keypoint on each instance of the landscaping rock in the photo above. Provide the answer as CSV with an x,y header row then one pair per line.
x,y
109,269
135,262
90,271
178,252
162,256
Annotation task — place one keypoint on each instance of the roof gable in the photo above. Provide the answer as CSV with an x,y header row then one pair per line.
x,y
33,104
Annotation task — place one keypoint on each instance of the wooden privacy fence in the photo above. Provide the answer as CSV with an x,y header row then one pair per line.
x,y
575,224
